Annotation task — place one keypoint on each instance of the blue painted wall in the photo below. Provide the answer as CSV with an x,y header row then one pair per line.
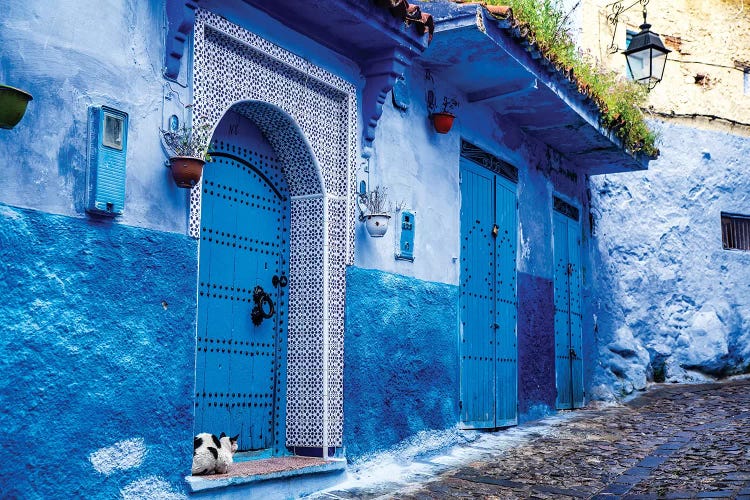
x,y
668,298
536,347
401,359
96,349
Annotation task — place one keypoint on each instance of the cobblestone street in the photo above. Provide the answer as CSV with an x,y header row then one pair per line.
x,y
675,441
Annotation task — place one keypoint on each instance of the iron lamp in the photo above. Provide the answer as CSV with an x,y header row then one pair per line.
x,y
646,56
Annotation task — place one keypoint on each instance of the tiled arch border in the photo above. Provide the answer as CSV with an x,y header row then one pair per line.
x,y
310,120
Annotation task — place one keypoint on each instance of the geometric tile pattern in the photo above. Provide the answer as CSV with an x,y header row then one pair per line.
x,y
309,117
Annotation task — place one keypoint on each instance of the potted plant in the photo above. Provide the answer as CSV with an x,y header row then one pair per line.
x,y
13,104
443,120
375,207
188,150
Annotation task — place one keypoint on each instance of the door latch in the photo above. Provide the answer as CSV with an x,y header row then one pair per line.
x,y
573,354
495,230
264,307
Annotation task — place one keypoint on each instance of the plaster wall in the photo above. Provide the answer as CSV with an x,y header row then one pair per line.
x,y
706,38
86,53
401,345
96,357
669,301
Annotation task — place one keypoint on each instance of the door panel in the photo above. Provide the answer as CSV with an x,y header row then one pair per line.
x,y
487,299
505,303
244,226
568,312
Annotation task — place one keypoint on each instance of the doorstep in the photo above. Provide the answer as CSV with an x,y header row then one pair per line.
x,y
253,471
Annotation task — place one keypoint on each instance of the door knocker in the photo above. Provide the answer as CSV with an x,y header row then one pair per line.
x,y
264,308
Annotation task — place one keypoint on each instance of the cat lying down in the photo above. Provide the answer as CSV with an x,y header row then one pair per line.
x,y
211,454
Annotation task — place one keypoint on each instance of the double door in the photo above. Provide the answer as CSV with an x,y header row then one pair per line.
x,y
488,306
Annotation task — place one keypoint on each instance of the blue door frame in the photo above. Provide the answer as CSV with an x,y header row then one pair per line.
x,y
488,304
242,301
568,307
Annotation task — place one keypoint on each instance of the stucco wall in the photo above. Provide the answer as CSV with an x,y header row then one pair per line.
x,y
98,341
420,168
668,296
401,365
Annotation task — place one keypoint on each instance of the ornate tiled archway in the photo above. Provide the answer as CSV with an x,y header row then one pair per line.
x,y
308,115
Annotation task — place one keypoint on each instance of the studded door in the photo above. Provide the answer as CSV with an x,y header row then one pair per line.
x,y
487,299
568,313
242,302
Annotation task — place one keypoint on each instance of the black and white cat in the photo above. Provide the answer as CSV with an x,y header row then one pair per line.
x,y
211,454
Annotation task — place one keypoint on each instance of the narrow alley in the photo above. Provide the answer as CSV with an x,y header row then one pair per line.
x,y
674,441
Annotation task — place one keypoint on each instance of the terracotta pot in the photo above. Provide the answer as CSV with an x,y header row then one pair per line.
x,y
377,224
443,122
12,105
186,170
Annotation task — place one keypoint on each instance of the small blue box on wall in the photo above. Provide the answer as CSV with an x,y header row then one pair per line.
x,y
406,228
105,176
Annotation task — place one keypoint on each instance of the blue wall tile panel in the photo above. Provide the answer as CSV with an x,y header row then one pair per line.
x,y
97,348
536,347
401,359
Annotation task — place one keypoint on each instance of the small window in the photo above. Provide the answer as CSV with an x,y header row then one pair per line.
x,y
628,38
735,231
113,132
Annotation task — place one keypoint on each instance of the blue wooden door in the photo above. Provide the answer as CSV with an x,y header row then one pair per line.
x,y
240,362
487,336
568,310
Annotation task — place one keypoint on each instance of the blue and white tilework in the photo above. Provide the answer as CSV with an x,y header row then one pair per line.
x,y
309,116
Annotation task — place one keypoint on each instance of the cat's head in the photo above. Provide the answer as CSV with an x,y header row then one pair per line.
x,y
231,442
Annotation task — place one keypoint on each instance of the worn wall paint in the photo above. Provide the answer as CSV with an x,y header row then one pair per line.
x,y
401,359
710,43
97,354
668,297
536,347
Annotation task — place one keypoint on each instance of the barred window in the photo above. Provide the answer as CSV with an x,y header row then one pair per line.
x,y
735,231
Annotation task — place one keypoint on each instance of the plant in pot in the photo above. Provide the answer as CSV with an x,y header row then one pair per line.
x,y
443,120
13,104
188,152
374,207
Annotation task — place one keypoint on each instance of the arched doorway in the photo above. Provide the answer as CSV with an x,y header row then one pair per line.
x,y
243,293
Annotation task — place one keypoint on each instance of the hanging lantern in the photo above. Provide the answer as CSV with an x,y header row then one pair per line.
x,y
646,56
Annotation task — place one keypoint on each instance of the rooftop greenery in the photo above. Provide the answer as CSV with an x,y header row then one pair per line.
x,y
619,100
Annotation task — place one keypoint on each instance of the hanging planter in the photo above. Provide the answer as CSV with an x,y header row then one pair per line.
x,y
13,104
443,122
377,224
188,153
186,170
373,211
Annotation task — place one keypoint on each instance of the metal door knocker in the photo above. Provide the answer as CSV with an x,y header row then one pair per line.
x,y
264,308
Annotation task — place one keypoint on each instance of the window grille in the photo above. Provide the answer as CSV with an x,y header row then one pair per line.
x,y
735,232
565,208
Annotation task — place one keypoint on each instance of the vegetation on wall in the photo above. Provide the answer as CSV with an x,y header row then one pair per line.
x,y
619,100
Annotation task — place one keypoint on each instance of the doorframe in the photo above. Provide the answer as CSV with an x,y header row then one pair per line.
x,y
579,223
500,168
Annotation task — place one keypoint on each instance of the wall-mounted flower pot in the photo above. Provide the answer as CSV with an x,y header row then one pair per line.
x,y
377,224
443,122
12,105
186,170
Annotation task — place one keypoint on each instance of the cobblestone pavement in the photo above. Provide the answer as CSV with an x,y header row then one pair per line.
x,y
674,441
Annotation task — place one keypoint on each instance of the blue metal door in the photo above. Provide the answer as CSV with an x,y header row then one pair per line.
x,y
242,302
487,299
568,311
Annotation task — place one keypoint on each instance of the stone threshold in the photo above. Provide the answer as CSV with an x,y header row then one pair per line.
x,y
265,469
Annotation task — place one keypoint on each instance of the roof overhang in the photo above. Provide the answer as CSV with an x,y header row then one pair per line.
x,y
489,61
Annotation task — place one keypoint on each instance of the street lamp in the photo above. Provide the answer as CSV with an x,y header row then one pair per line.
x,y
646,56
